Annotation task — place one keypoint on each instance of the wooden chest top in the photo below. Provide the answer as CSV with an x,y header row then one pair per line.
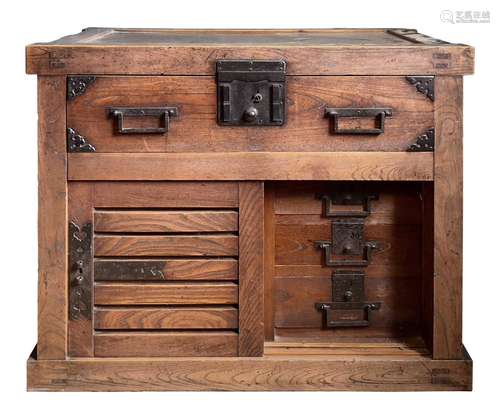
x,y
194,52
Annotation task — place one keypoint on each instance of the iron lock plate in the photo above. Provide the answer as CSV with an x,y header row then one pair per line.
x,y
80,271
251,92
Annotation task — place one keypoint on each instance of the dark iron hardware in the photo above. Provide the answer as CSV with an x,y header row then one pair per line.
x,y
347,198
347,229
165,113
348,239
80,281
423,84
348,307
77,143
123,270
334,114
77,85
424,142
251,92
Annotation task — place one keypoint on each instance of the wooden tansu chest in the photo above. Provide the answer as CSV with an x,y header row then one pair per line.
x,y
250,210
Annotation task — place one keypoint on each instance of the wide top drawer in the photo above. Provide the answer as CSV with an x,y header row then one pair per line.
x,y
178,114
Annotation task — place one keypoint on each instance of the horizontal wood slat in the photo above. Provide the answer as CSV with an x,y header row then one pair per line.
x,y
166,318
172,293
165,221
212,245
166,269
252,166
125,344
164,194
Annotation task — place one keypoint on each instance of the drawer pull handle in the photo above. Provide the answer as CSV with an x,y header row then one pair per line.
x,y
334,114
165,113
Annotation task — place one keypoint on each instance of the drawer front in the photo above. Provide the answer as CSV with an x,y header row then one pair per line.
x,y
160,272
127,114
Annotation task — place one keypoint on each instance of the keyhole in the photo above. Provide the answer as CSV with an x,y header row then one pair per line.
x,y
257,98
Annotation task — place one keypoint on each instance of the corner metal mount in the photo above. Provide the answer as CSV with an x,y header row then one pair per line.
x,y
77,143
423,84
77,85
424,142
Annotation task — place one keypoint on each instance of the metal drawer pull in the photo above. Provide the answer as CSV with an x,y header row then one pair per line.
x,y
379,113
165,113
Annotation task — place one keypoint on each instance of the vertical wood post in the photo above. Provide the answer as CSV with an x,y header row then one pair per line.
x,y
448,168
80,209
269,262
251,270
52,219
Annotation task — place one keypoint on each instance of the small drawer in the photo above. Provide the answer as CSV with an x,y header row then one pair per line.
x,y
178,114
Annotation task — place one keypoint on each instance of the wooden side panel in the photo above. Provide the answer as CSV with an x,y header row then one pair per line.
x,y
165,270
209,245
129,344
166,318
165,221
173,293
52,219
251,244
448,185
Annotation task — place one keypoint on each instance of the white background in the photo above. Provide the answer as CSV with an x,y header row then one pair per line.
x,y
24,22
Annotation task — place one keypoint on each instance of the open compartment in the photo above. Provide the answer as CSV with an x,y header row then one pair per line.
x,y
351,244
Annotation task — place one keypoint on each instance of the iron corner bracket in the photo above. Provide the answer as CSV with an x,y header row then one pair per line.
x,y
424,142
76,85
77,143
423,84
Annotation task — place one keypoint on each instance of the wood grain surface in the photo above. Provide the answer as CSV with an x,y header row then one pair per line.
x,y
324,52
171,269
270,373
129,344
165,221
246,166
195,129
163,294
52,220
163,194
166,318
251,269
448,214
206,245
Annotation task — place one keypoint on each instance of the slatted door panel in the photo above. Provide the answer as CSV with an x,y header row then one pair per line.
x,y
166,269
